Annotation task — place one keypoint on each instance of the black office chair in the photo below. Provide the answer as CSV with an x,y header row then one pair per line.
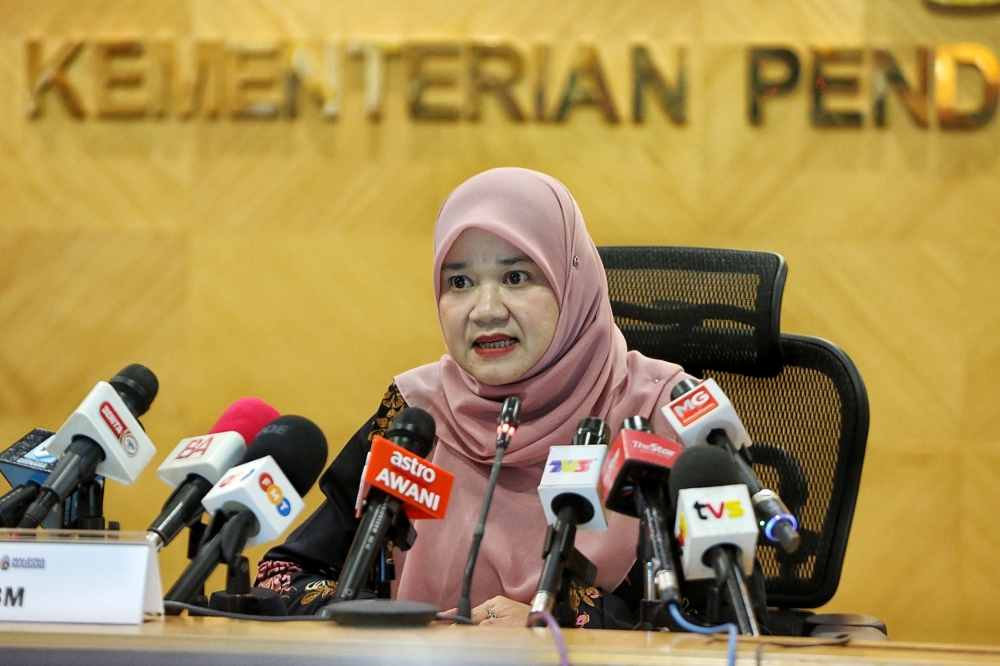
x,y
802,400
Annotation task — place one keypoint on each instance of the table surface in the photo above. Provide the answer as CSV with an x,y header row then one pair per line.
x,y
202,640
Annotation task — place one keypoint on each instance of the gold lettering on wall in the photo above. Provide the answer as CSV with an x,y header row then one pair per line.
x,y
196,75
481,79
773,71
824,83
888,74
420,78
541,56
672,98
319,78
119,70
254,77
44,75
947,59
587,85
374,55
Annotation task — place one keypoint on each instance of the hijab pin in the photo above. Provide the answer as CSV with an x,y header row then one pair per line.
x,y
576,261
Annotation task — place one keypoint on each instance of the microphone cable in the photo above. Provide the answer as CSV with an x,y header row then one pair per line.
x,y
510,417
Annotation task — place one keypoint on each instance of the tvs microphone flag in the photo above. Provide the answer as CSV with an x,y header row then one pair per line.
x,y
423,487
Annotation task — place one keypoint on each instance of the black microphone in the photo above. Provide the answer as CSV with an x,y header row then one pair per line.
x,y
507,422
97,439
573,502
710,529
412,429
245,499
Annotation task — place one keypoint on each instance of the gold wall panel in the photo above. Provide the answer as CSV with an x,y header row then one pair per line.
x,y
284,251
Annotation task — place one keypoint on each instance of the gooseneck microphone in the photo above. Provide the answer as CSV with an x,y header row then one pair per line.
x,y
103,436
413,431
507,422
701,413
716,533
197,463
570,494
256,501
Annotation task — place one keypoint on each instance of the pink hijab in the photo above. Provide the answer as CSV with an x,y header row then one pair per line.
x,y
586,371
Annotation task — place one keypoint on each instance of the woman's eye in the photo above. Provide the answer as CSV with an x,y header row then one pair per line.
x,y
517,277
459,281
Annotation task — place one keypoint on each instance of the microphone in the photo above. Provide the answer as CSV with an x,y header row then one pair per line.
x,y
716,532
258,499
197,463
399,484
24,465
701,413
102,437
507,422
634,476
570,491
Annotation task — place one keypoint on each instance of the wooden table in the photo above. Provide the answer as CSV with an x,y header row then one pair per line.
x,y
186,641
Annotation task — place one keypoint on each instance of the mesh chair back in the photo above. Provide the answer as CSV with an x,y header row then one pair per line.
x,y
801,399
699,307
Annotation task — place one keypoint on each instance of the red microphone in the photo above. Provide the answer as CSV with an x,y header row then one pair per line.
x,y
635,476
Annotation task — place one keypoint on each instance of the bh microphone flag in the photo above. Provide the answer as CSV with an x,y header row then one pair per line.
x,y
262,487
424,488
206,456
708,517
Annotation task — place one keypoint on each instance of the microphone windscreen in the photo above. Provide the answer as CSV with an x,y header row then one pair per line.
x,y
702,466
413,429
247,416
296,444
138,386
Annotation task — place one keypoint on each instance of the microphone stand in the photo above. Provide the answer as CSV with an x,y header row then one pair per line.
x,y
506,425
725,561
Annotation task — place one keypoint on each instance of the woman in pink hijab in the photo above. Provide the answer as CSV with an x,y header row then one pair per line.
x,y
523,304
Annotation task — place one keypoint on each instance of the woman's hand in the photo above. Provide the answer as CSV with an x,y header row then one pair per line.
x,y
501,612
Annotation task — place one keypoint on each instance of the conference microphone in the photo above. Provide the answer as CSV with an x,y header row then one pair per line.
x,y
570,491
507,422
716,531
258,499
634,478
197,463
701,413
102,437
398,484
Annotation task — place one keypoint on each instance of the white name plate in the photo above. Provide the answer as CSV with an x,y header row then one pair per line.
x,y
78,576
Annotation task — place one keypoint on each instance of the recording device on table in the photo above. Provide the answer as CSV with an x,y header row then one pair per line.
x,y
634,479
101,438
197,463
570,492
253,503
715,529
701,413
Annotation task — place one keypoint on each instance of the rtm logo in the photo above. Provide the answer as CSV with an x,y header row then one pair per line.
x,y
12,597
731,509
558,466
695,404
198,446
274,494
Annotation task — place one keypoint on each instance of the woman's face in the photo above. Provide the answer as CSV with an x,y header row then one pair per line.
x,y
497,310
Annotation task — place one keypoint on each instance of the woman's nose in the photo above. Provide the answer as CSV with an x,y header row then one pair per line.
x,y
489,306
